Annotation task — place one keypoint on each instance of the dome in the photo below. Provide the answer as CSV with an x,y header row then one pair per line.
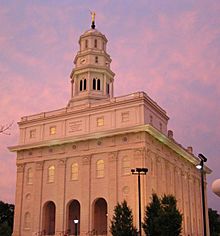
x,y
216,187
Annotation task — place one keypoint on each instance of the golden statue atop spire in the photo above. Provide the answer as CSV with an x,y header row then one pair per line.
x,y
93,19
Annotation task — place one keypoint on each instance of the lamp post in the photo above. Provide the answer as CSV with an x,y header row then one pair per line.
x,y
76,221
200,166
139,172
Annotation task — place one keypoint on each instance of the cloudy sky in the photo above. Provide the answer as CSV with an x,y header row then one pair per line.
x,y
168,48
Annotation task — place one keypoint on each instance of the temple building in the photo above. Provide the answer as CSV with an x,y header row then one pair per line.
x,y
75,162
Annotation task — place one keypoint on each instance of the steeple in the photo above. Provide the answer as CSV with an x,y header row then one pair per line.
x,y
91,77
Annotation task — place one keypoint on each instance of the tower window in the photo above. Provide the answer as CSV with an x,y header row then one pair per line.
x,y
86,43
96,59
100,121
100,166
51,174
94,84
81,85
107,88
98,84
84,84
27,220
95,43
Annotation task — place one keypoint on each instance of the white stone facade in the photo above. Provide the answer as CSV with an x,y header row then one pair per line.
x,y
75,162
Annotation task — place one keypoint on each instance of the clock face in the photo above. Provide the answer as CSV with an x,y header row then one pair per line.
x,y
82,61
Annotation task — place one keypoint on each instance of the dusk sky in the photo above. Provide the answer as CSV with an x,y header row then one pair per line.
x,y
169,49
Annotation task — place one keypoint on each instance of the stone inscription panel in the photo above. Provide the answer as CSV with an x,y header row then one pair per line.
x,y
75,126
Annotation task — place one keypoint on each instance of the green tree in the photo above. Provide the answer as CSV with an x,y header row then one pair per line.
x,y
151,217
214,222
162,218
6,218
122,221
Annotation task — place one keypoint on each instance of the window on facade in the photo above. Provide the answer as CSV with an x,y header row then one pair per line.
x,y
96,59
33,133
100,168
94,84
100,121
80,85
161,126
51,174
27,220
151,119
29,176
84,83
86,43
126,165
98,84
125,116
95,43
107,88
74,171
53,130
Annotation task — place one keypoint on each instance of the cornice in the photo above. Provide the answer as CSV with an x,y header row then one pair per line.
x,y
108,133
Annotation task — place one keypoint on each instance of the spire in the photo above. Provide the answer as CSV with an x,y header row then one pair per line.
x,y
93,19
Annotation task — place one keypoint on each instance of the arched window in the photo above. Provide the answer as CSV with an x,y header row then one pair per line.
x,y
27,220
80,85
95,43
29,176
126,165
74,171
94,84
100,168
84,84
51,174
98,84
107,88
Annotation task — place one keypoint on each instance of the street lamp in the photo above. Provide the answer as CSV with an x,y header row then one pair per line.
x,y
76,221
139,172
200,167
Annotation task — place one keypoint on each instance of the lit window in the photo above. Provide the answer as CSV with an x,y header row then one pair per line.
x,y
33,133
27,220
74,171
100,168
126,165
29,176
125,116
52,130
100,121
51,174
95,43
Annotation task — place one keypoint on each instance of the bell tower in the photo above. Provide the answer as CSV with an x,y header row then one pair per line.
x,y
91,77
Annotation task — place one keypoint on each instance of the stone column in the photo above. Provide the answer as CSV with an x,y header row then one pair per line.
x,y
18,200
60,189
37,196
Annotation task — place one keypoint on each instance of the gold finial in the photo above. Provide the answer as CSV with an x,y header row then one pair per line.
x,y
93,19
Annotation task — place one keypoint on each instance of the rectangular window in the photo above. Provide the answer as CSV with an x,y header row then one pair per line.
x,y
33,133
100,121
53,130
125,116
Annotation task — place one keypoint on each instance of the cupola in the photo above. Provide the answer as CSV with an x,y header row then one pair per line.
x,y
91,77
